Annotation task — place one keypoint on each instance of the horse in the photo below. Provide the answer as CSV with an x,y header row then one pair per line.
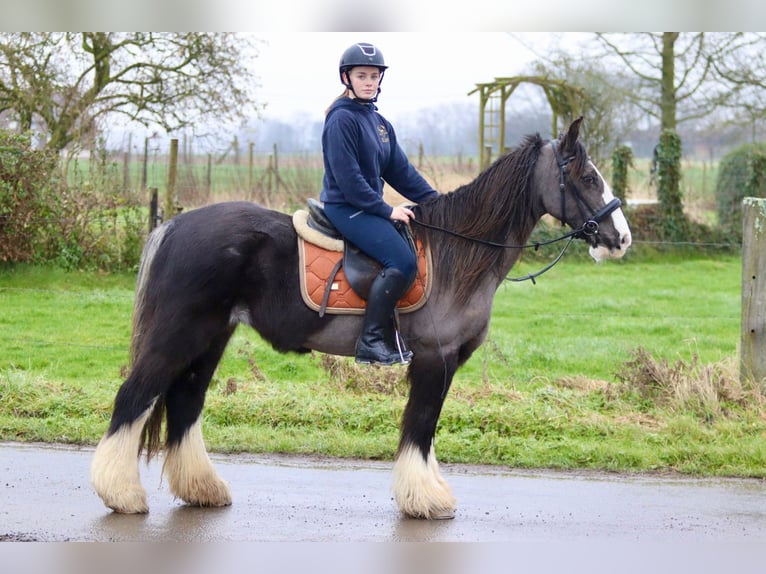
x,y
209,269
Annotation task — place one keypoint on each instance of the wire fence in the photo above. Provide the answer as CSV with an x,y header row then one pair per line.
x,y
7,293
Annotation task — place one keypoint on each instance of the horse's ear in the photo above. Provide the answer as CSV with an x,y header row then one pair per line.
x,y
568,142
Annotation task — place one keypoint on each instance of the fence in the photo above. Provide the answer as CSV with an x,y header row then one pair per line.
x,y
185,180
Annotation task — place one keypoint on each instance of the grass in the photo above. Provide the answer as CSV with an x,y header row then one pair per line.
x,y
624,366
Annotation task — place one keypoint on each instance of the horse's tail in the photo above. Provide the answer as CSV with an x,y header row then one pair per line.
x,y
152,429
151,246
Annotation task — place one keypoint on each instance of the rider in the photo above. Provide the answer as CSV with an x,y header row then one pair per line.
x,y
360,152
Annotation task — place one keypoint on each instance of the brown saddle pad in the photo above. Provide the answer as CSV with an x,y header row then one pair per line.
x,y
316,269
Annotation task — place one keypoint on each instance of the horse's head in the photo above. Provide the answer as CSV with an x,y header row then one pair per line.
x,y
577,194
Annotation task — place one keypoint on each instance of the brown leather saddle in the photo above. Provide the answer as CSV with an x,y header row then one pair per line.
x,y
354,268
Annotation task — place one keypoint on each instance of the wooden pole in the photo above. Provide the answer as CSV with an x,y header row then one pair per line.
x,y
171,200
126,165
251,168
753,340
276,164
154,217
126,172
209,175
146,163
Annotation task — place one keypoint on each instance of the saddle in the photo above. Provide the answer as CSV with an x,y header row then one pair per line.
x,y
335,275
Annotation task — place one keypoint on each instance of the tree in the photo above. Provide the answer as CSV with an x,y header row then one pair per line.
x,y
670,70
686,76
65,83
603,102
742,65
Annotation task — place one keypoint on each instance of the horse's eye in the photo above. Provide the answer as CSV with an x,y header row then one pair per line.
x,y
589,180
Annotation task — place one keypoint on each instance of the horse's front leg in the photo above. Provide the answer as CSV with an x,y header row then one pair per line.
x,y
419,488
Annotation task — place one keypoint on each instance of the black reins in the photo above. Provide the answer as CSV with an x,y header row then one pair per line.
x,y
588,228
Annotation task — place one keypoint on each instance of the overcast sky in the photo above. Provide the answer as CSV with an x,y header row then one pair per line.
x,y
299,71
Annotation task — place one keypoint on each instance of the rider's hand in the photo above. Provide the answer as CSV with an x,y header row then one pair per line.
x,y
401,213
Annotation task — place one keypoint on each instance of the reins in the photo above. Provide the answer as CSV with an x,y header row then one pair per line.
x,y
536,245
532,276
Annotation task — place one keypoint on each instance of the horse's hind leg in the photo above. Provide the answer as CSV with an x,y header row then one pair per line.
x,y
419,488
190,473
114,469
168,351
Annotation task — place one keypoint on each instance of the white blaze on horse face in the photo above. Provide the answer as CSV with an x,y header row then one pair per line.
x,y
601,252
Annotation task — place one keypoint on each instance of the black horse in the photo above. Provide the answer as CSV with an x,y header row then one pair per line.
x,y
209,269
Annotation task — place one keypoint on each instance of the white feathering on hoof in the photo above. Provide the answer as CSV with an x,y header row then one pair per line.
x,y
419,488
190,473
114,469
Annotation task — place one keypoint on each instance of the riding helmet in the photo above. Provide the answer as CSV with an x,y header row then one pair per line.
x,y
361,54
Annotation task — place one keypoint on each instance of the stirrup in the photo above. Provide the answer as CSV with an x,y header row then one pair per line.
x,y
405,355
387,361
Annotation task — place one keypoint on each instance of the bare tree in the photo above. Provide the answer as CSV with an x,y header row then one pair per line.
x,y
64,83
741,63
688,76
684,76
603,99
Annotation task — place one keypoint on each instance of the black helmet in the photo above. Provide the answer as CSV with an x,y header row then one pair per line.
x,y
361,54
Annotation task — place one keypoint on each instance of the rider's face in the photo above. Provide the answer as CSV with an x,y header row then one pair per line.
x,y
365,81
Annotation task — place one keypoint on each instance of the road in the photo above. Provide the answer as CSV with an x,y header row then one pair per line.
x,y
47,497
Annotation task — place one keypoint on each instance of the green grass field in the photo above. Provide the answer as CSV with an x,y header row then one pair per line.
x,y
624,366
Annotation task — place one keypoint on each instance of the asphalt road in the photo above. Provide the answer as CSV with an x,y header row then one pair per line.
x,y
47,497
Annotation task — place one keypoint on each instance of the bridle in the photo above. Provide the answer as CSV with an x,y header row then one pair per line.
x,y
587,229
590,225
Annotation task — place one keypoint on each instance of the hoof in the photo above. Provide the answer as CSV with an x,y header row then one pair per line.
x,y
435,515
212,493
419,489
128,502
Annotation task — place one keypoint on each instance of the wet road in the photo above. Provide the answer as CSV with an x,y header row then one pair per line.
x,y
47,497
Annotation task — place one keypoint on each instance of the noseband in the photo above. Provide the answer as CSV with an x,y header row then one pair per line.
x,y
590,225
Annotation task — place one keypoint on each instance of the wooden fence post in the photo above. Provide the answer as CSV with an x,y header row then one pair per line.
x,y
209,176
126,166
251,169
171,200
144,169
154,217
753,330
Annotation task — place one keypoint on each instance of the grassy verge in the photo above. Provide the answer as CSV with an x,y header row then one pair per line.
x,y
623,366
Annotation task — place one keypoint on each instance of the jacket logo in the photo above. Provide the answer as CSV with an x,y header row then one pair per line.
x,y
383,133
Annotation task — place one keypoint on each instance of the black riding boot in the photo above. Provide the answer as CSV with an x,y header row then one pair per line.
x,y
379,342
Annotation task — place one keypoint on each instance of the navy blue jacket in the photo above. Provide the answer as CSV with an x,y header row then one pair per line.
x,y
360,153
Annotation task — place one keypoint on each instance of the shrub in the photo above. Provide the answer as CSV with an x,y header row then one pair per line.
x,y
674,222
90,223
706,390
27,199
622,161
101,225
741,173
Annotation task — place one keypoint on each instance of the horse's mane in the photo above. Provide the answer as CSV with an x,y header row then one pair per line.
x,y
497,206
